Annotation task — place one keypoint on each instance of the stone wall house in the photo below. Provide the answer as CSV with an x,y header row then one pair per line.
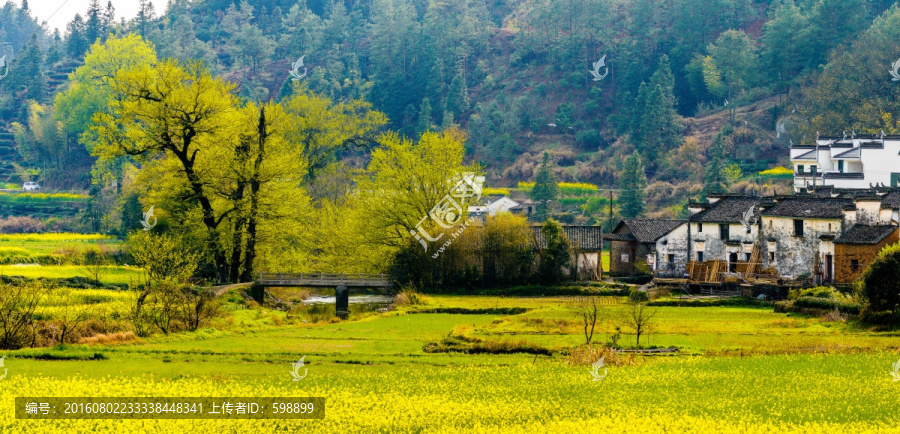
x,y
635,245
800,234
857,247
724,229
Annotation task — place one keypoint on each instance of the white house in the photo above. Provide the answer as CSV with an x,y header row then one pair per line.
x,y
492,206
855,162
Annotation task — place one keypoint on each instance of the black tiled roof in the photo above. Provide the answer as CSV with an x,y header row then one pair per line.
x,y
865,234
892,199
808,207
871,145
837,175
728,210
645,230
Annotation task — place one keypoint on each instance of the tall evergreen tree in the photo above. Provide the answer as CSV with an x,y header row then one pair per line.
x,y
633,184
657,126
28,73
94,28
76,39
714,180
146,14
425,119
545,193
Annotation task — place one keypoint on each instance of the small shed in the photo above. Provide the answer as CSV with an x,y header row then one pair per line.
x,y
857,247
633,244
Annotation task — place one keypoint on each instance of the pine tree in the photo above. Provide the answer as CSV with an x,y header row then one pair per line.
x,y
145,16
656,124
545,192
714,178
633,183
425,119
458,101
27,71
94,29
76,41
54,51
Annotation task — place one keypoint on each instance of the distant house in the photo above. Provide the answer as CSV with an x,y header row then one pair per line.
x,y
643,243
847,162
526,208
491,206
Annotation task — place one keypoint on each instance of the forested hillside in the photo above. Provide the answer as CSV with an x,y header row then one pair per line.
x,y
690,92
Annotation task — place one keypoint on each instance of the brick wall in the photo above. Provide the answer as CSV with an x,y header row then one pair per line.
x,y
845,254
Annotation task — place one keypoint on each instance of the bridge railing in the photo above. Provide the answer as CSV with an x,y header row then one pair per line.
x,y
294,278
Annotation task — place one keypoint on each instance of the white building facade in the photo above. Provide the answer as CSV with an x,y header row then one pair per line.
x,y
856,162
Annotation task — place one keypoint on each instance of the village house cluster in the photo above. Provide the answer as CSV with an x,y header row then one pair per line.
x,y
829,236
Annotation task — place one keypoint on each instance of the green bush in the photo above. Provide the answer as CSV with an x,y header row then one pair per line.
x,y
828,304
638,296
544,291
708,302
473,345
879,281
816,292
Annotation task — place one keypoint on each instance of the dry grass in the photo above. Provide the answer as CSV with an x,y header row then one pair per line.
x,y
835,316
409,297
585,355
109,338
294,295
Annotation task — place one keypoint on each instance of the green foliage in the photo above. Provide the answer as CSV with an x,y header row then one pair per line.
x,y
545,192
633,184
714,179
733,173
657,126
163,257
879,281
816,292
555,255
842,306
506,258
638,296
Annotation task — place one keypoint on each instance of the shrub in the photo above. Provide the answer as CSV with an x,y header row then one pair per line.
x,y
473,345
828,304
409,297
817,292
21,225
554,255
638,296
879,281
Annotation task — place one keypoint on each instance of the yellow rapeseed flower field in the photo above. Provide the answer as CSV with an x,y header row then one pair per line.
x,y
765,394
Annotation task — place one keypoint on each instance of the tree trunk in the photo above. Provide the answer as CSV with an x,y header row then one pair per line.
x,y
250,251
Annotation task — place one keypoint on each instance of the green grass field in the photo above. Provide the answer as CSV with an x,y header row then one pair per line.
x,y
743,369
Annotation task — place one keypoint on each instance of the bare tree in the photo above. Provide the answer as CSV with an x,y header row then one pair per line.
x,y
639,317
588,310
17,305
94,263
71,315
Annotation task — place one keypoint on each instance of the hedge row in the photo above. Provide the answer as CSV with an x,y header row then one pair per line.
x,y
828,304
